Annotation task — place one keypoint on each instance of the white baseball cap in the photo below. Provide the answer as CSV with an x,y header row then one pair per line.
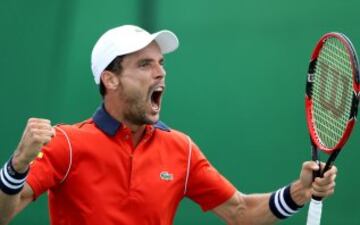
x,y
124,40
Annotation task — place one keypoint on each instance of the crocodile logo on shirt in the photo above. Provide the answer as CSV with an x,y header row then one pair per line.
x,y
166,176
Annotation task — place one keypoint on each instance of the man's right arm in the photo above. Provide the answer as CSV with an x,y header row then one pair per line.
x,y
10,205
37,133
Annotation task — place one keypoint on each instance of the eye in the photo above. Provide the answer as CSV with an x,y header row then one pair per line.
x,y
144,63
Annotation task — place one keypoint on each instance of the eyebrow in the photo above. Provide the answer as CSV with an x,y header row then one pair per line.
x,y
150,60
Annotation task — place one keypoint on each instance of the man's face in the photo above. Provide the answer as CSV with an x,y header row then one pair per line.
x,y
142,83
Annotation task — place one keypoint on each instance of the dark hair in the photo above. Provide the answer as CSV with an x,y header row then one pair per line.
x,y
115,67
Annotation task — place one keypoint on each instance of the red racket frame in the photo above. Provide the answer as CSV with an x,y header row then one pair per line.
x,y
356,87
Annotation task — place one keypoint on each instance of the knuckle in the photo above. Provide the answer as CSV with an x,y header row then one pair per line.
x,y
305,164
36,138
30,123
315,193
46,121
47,138
31,126
38,121
335,169
31,119
33,131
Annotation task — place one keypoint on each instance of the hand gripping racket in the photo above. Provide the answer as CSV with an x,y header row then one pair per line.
x,y
331,103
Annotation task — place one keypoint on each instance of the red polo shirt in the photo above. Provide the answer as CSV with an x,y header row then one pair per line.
x,y
95,176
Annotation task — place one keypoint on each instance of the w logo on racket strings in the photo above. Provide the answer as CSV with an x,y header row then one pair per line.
x,y
332,82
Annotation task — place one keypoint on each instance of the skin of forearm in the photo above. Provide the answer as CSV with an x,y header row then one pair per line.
x,y
7,207
244,209
256,210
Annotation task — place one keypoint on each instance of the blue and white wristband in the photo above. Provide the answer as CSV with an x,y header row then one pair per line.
x,y
281,203
11,182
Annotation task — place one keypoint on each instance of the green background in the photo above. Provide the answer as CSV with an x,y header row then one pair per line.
x,y
236,84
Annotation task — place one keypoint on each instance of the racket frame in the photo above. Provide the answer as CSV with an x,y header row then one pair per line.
x,y
355,100
315,208
316,144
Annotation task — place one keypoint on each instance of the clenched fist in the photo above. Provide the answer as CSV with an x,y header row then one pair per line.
x,y
37,133
307,186
321,186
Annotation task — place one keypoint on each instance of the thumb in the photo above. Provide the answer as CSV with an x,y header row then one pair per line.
x,y
310,166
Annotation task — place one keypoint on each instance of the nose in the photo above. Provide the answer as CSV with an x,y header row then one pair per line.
x,y
160,72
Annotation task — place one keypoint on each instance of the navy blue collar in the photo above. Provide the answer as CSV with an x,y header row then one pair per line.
x,y
105,122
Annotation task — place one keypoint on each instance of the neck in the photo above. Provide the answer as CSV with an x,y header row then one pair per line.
x,y
137,135
137,131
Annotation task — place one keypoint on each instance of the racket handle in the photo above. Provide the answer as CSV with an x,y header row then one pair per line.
x,y
314,213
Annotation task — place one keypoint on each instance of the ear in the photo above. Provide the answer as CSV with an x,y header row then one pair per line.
x,y
110,80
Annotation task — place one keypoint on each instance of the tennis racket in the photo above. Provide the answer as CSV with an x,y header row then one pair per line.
x,y
331,103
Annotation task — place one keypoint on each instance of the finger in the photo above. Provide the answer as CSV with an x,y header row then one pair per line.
x,y
323,190
38,120
324,183
331,172
41,132
47,140
324,179
53,131
40,126
310,165
40,135
52,134
33,129
42,139
322,194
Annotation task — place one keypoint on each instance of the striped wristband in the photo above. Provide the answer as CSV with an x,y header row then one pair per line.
x,y
281,203
11,182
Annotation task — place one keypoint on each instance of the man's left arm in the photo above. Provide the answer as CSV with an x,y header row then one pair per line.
x,y
255,209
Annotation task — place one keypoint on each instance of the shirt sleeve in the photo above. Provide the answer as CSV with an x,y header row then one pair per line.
x,y
50,166
206,186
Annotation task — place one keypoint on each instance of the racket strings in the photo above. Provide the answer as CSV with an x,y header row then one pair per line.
x,y
337,57
332,92
337,98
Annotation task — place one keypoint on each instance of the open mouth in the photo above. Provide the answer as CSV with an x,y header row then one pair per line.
x,y
156,98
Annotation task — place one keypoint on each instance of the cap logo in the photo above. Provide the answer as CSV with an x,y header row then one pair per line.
x,y
166,176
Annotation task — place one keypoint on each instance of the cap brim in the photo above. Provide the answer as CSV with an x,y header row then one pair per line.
x,y
166,40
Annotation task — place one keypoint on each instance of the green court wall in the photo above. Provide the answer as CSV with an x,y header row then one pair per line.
x,y
235,85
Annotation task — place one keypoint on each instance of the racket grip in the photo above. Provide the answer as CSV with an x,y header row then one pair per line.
x,y
314,213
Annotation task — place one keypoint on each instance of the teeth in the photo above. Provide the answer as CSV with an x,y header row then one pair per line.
x,y
156,97
158,89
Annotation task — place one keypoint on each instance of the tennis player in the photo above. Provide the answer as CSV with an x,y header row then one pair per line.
x,y
123,166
